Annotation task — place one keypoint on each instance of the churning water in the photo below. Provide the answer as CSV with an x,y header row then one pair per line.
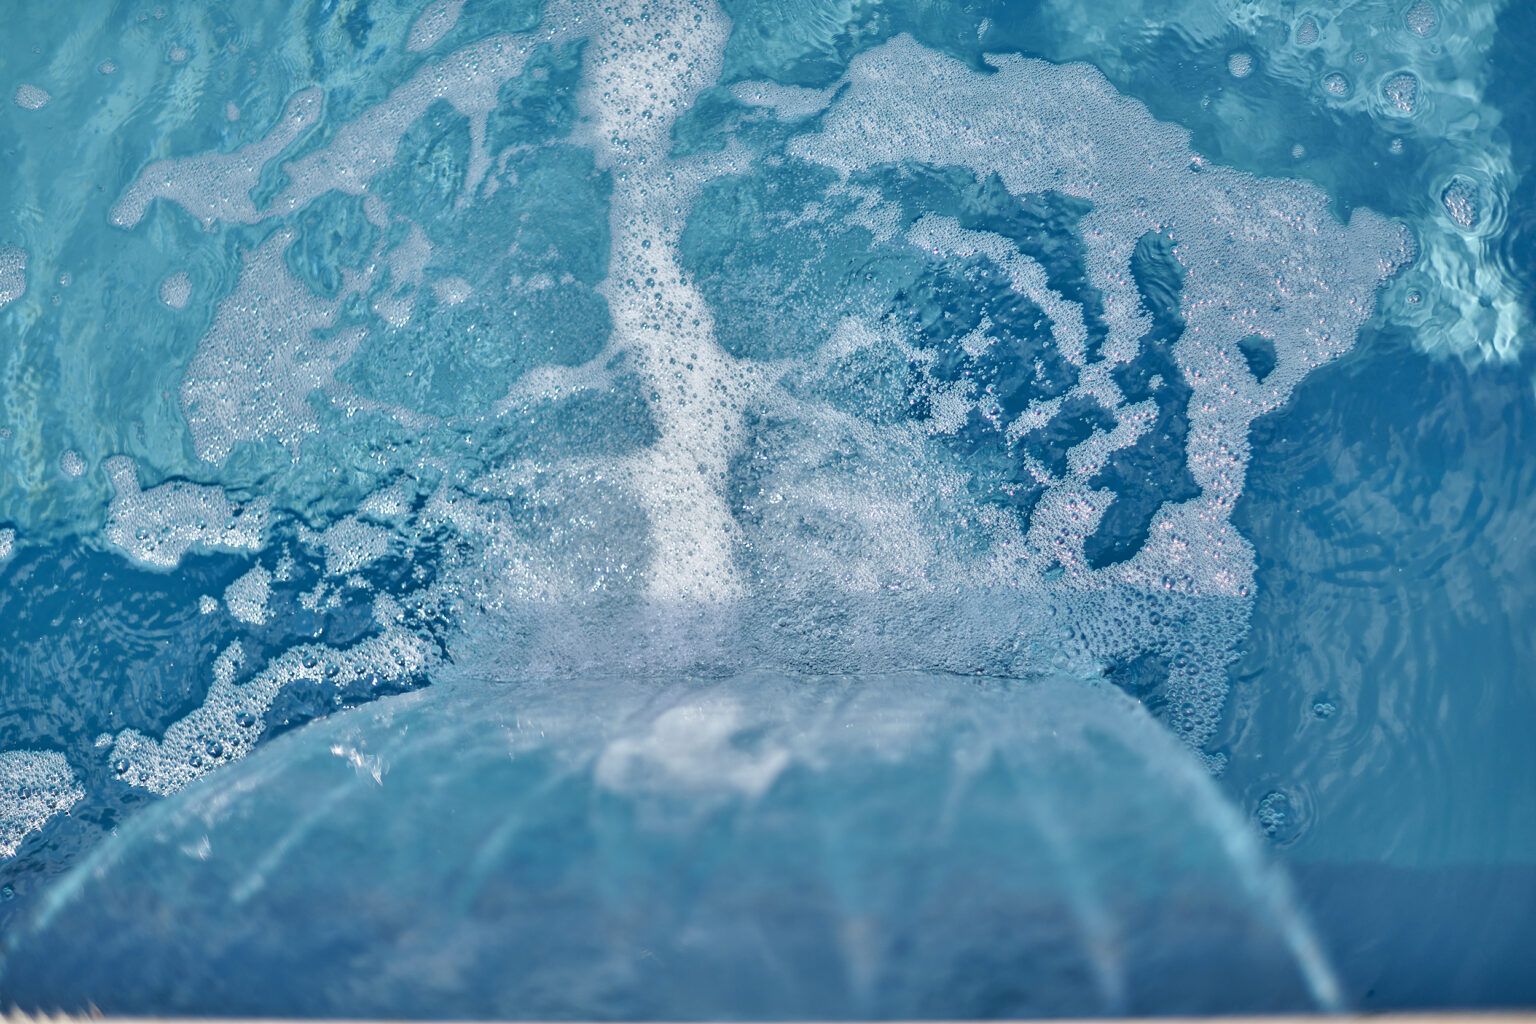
x,y
825,508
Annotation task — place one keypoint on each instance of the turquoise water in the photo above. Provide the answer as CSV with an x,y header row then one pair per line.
x,y
919,509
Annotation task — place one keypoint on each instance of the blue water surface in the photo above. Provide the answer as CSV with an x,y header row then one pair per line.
x,y
920,509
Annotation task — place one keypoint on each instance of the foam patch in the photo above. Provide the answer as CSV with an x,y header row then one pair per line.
x,y
34,787
159,526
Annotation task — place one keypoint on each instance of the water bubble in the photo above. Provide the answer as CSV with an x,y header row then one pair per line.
x,y
1307,32
1422,19
176,291
1336,84
1401,91
71,464
1240,64
30,97
1462,202
1279,816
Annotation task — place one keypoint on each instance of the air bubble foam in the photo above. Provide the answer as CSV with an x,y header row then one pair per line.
x,y
217,187
13,274
262,356
34,787
176,290
246,598
30,97
436,21
231,719
159,526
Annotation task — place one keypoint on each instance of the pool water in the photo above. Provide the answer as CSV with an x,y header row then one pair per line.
x,y
675,509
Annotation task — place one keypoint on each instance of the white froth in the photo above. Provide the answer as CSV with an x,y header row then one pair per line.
x,y
35,786
436,21
217,187
468,79
351,544
71,464
452,291
7,542
649,60
246,598
30,97
262,356
1259,258
159,526
13,274
789,102
176,290
230,720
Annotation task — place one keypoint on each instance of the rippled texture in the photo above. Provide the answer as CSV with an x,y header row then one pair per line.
x,y
973,855
707,388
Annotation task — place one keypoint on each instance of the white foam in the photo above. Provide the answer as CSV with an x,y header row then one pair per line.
x,y
246,598
468,79
176,290
434,22
159,526
648,61
262,356
351,544
13,274
7,543
217,187
230,721
35,785
30,97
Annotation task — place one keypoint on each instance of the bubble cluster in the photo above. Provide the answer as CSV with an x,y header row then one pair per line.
x,y
231,719
7,542
30,97
34,787
217,187
1462,202
1401,91
1422,19
13,274
159,526
352,544
1240,64
436,21
176,290
71,464
1252,254
247,597
1306,32
264,353
1336,83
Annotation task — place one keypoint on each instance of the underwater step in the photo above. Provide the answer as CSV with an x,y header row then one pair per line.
x,y
761,846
